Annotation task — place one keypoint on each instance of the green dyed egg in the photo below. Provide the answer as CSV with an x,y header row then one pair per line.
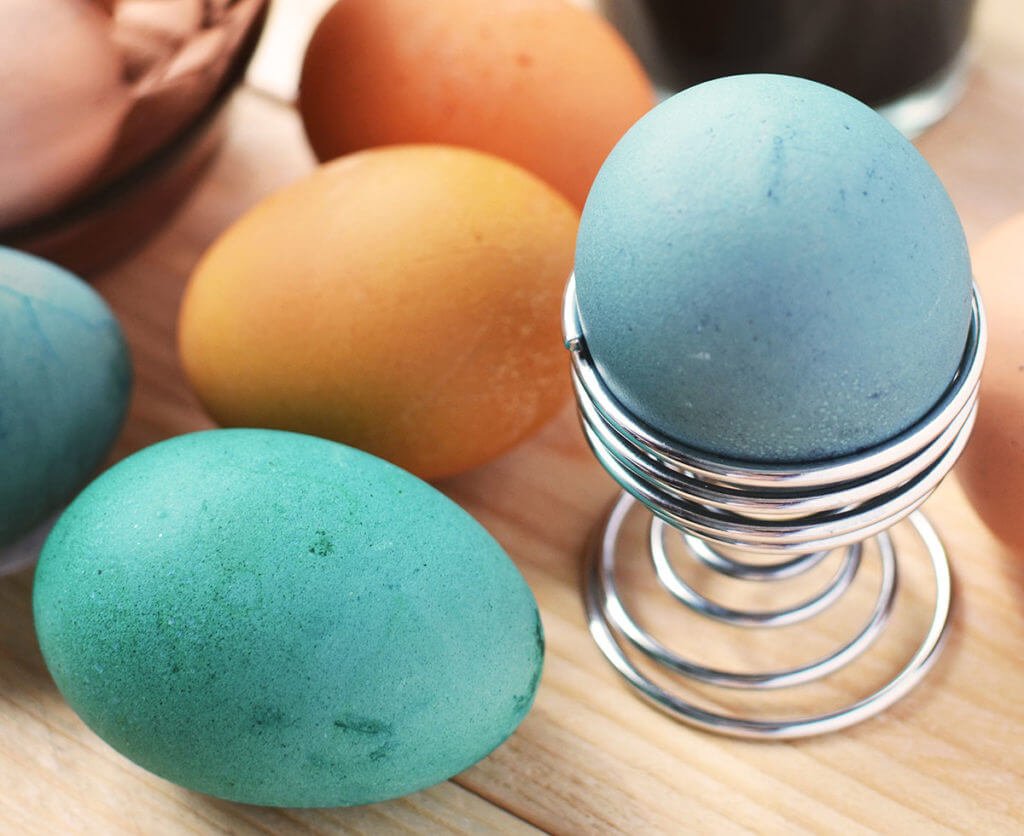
x,y
65,381
281,620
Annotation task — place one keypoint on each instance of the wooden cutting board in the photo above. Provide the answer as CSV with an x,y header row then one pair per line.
x,y
590,758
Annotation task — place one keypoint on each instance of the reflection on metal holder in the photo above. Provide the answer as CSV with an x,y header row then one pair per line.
x,y
799,515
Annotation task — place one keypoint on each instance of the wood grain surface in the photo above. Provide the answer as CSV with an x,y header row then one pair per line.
x,y
590,758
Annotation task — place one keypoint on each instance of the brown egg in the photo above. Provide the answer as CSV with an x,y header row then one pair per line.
x,y
403,300
547,85
62,102
992,468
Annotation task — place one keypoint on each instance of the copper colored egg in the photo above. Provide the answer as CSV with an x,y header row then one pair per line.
x,y
543,83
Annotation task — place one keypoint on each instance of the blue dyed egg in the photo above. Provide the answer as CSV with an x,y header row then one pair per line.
x,y
768,271
281,620
65,382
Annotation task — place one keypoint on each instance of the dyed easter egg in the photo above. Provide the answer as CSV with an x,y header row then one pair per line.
x,y
543,83
65,382
991,470
404,301
767,270
281,620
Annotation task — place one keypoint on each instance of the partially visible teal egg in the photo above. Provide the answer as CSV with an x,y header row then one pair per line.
x,y
767,270
281,620
65,382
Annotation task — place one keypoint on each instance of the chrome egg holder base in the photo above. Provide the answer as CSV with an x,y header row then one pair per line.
x,y
797,515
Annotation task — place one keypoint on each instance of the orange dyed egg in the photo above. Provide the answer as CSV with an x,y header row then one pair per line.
x,y
991,470
404,301
542,83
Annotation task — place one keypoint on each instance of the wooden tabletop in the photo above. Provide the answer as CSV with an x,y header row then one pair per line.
x,y
590,757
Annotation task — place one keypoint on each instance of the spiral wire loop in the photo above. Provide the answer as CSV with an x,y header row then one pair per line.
x,y
799,515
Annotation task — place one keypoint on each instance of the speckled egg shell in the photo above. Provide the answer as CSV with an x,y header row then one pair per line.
x,y
65,382
767,270
278,619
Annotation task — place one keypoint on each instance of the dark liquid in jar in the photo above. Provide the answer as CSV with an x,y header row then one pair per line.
x,y
875,50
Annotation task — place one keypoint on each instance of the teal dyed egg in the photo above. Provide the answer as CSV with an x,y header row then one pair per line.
x,y
65,382
281,620
768,271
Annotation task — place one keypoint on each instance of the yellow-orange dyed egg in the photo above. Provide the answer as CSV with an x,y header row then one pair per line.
x,y
545,84
992,468
403,300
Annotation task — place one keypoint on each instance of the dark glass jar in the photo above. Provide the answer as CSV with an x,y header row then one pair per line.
x,y
901,56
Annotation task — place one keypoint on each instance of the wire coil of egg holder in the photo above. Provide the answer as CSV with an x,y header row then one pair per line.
x,y
799,515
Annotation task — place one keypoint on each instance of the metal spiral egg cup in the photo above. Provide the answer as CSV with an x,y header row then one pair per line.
x,y
797,514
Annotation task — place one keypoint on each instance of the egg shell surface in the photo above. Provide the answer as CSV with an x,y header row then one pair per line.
x,y
281,620
404,301
768,271
991,470
64,99
543,83
65,383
